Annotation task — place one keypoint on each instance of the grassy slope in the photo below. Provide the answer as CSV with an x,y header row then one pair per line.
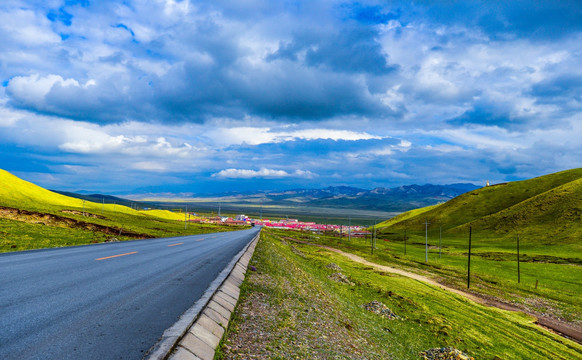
x,y
50,219
405,216
22,194
290,309
489,201
19,193
546,214
545,211
557,211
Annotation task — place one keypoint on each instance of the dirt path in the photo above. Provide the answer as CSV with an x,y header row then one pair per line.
x,y
559,327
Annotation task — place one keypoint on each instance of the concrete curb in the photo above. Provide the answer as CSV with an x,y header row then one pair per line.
x,y
199,330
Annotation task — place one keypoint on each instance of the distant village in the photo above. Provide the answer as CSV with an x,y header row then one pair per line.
x,y
292,224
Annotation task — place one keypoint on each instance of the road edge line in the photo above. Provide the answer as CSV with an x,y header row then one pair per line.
x,y
179,337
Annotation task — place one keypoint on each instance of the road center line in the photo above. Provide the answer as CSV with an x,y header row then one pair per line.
x,y
176,244
114,256
199,239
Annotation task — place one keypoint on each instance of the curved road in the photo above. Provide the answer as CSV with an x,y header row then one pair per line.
x,y
105,301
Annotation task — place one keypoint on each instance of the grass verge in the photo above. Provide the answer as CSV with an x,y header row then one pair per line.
x,y
290,308
549,283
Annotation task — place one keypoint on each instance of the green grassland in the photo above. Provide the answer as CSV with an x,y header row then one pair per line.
x,y
493,273
547,208
289,308
546,214
32,217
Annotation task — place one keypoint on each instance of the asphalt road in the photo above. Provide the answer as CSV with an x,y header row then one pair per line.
x,y
105,301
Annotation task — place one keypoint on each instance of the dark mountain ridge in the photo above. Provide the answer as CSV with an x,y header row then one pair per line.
x,y
400,198
397,199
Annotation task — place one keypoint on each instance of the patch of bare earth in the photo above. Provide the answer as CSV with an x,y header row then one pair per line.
x,y
34,217
280,319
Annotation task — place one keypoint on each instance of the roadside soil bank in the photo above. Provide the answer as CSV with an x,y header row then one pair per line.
x,y
34,217
557,326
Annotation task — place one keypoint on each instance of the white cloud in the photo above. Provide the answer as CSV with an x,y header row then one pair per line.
x,y
434,76
314,134
173,8
265,135
32,89
262,173
9,117
149,166
102,144
26,27
484,138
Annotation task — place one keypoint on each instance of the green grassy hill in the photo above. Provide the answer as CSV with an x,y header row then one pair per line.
x,y
548,208
545,213
23,194
32,217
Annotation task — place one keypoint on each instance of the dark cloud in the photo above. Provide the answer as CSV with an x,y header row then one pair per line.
x,y
330,61
315,148
214,80
289,91
559,89
290,50
503,20
487,115
354,49
106,101
538,19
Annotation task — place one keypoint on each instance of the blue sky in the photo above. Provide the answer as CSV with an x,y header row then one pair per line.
x,y
167,96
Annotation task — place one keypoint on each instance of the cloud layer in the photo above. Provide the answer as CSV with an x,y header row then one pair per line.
x,y
191,95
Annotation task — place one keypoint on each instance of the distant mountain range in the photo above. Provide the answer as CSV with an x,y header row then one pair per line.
x,y
396,199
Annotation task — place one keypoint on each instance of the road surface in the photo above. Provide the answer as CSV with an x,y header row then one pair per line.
x,y
105,301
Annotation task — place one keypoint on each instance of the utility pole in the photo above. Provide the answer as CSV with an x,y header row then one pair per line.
x,y
103,207
404,241
185,217
218,209
518,273
469,262
349,228
426,240
83,207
